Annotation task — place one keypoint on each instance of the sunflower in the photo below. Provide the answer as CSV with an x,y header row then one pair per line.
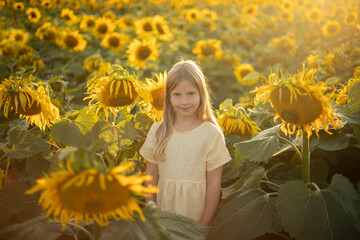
x,y
228,58
341,98
241,71
34,14
119,89
47,4
331,28
250,10
115,41
285,44
102,27
312,60
19,36
96,64
33,105
287,5
73,41
47,32
154,95
69,16
161,28
19,6
206,13
90,195
204,49
109,15
314,15
286,16
2,4
235,121
88,22
299,102
141,52
351,18
7,49
144,26
193,15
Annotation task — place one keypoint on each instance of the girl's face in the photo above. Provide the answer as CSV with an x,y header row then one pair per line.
x,y
185,100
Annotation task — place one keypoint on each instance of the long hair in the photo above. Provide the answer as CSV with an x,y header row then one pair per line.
x,y
190,71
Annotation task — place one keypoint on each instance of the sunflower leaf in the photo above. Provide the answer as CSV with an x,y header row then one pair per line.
x,y
354,99
261,147
250,214
330,213
67,133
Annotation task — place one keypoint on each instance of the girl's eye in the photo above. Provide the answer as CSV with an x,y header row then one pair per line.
x,y
176,94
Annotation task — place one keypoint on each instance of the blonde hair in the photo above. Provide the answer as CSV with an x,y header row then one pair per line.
x,y
190,71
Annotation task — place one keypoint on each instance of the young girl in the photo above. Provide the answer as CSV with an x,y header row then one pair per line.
x,y
185,152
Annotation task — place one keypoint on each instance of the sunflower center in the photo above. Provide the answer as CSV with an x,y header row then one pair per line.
x,y
331,28
350,18
25,104
67,17
315,15
121,97
90,23
208,49
250,11
298,107
114,41
103,28
158,99
92,199
143,52
147,27
71,41
33,15
245,72
49,35
193,15
160,28
18,37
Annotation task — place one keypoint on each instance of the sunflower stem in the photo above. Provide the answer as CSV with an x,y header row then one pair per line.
x,y
305,158
97,230
292,144
112,118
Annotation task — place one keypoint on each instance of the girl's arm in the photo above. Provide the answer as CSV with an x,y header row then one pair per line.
x,y
152,170
213,184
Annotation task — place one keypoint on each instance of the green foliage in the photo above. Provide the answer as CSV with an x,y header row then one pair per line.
x,y
331,213
266,143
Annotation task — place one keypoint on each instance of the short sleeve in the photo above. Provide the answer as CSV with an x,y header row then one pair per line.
x,y
218,154
147,149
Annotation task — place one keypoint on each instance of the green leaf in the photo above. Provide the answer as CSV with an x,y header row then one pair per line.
x,y
337,141
182,228
85,120
68,134
261,147
143,121
331,213
354,99
37,166
27,143
248,180
251,214
225,104
137,230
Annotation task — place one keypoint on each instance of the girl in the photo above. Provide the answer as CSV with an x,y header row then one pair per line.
x,y
185,152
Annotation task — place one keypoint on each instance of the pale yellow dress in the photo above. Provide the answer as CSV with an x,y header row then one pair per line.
x,y
182,176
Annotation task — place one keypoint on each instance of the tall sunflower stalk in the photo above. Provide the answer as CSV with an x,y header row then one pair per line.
x,y
302,106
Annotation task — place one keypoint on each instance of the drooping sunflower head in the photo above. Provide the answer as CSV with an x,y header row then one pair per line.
x,y
32,104
19,36
342,95
331,28
115,41
299,102
285,44
90,195
34,14
234,120
142,52
154,95
314,15
118,89
102,27
241,71
72,40
207,48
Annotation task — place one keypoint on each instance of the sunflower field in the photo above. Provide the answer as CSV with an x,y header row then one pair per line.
x,y
82,81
